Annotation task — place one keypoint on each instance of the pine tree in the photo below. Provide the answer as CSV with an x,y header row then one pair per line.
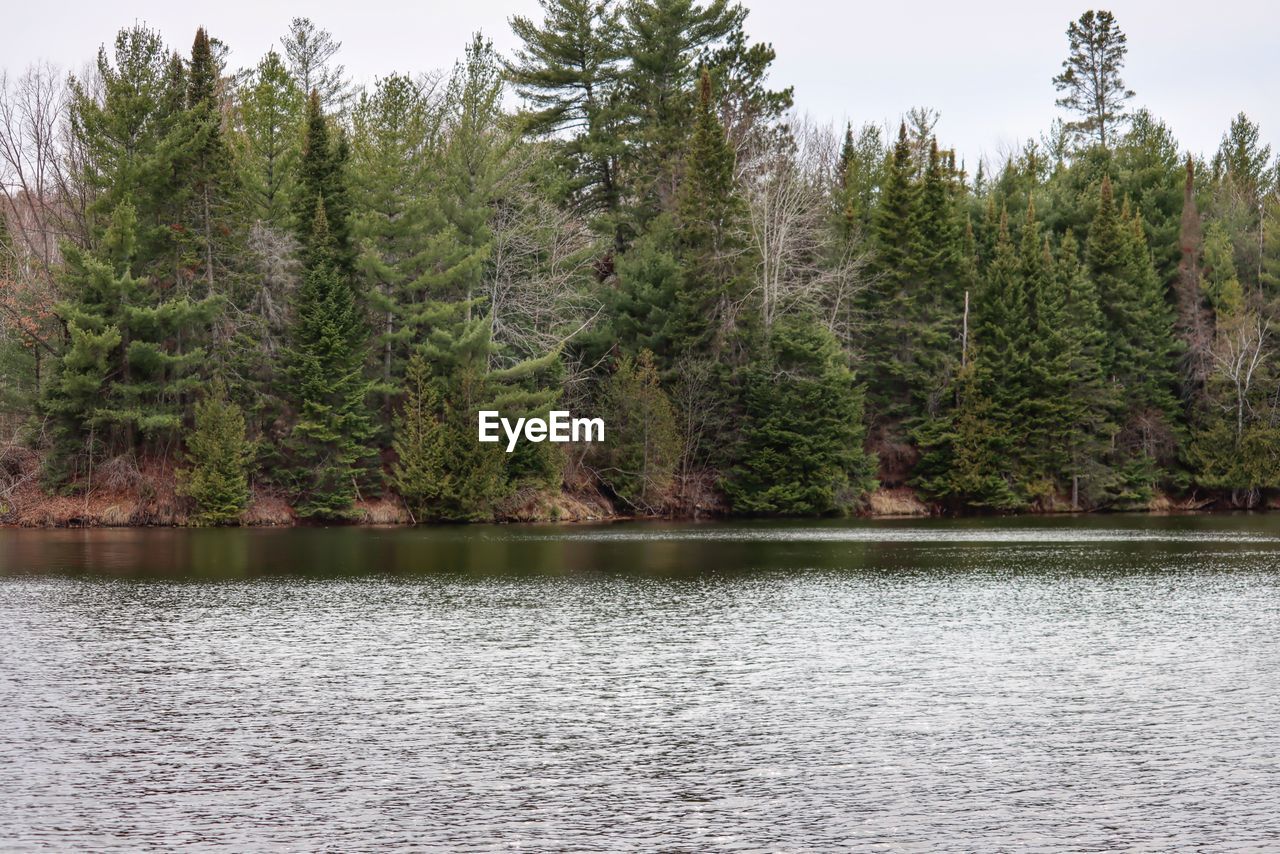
x,y
122,381
218,458
1091,77
310,51
569,70
267,141
394,139
663,41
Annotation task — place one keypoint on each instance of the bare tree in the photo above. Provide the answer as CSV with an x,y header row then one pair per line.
x,y
540,267
791,228
1238,355
38,200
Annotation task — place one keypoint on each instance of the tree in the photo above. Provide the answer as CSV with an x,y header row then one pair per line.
x,y
310,51
323,184
710,238
207,167
1091,77
569,69
266,140
1243,159
419,474
122,381
218,458
663,42
328,445
638,461
890,305
394,142
963,453
328,442
802,435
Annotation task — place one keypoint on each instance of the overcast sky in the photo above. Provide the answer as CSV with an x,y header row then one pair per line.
x,y
985,65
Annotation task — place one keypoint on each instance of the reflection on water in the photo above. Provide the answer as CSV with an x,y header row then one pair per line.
x,y
1043,684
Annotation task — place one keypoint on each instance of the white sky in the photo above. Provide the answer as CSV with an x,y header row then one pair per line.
x,y
985,65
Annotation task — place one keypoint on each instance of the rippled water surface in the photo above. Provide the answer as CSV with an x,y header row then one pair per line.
x,y
1084,684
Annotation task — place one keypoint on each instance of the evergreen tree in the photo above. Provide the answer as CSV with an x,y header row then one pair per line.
x,y
1052,361
569,70
862,161
1089,425
801,448
130,130
218,457
1003,354
638,461
891,306
394,137
267,141
1091,77
709,240
963,453
419,474
328,445
207,167
122,381
663,41
328,442
323,184
310,51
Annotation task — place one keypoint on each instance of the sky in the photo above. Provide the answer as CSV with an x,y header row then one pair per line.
x,y
984,65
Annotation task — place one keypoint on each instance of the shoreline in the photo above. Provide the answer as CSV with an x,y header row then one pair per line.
x,y
36,510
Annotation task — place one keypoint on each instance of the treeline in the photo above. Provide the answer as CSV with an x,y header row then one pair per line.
x,y
278,283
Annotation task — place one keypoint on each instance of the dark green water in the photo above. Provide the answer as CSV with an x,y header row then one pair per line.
x,y
1041,684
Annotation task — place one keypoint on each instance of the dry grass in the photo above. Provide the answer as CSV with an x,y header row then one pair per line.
x,y
268,509
536,505
899,501
382,511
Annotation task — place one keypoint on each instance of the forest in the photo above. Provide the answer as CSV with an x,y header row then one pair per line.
x,y
266,294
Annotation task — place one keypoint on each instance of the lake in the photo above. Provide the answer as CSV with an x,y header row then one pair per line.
x,y
1039,684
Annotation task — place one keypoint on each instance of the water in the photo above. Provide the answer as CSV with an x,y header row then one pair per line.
x,y
1032,684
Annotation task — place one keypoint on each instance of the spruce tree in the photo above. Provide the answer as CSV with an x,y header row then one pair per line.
x,y
323,183
1090,424
638,460
801,446
328,445
218,458
709,239
328,442
419,474
1003,336
890,308
207,169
